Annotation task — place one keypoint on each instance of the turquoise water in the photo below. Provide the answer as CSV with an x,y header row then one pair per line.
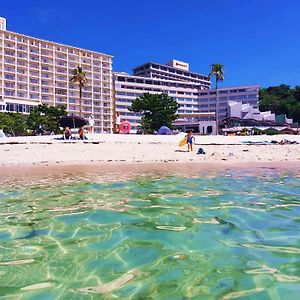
x,y
230,236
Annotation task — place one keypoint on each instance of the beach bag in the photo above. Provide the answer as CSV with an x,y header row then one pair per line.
x,y
200,151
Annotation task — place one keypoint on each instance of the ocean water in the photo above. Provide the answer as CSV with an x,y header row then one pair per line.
x,y
221,236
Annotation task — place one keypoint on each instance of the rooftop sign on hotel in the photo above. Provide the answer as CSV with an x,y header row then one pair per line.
x,y
179,64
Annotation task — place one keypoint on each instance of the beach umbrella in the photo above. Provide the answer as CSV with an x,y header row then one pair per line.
x,y
72,121
164,130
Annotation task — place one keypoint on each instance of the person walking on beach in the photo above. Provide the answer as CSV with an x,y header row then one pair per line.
x,y
190,139
91,123
118,122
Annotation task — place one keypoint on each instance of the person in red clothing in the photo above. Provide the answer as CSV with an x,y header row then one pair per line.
x,y
81,133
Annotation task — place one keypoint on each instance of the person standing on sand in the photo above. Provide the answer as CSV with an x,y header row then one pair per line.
x,y
118,122
190,139
91,123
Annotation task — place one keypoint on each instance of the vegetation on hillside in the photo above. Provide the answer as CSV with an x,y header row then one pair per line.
x,y
281,100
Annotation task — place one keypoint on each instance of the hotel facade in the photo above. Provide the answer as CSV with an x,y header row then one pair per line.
x,y
191,90
35,71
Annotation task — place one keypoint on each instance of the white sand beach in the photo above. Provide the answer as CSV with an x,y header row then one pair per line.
x,y
122,152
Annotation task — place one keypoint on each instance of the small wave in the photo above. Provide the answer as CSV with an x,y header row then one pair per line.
x,y
234,295
110,286
281,249
16,262
37,286
172,228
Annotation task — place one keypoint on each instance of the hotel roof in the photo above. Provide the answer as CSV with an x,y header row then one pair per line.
x,y
167,66
55,43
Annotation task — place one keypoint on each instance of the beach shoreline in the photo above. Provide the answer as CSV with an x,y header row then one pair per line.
x,y
132,153
126,154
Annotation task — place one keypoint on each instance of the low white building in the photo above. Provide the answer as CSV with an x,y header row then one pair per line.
x,y
247,111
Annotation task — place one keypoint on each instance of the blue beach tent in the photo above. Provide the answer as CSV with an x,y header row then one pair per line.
x,y
164,130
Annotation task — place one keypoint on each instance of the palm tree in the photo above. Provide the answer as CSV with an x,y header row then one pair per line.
x,y
216,70
79,78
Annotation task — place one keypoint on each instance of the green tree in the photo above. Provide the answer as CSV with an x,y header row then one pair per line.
x,y
79,77
281,100
157,110
13,123
44,118
216,70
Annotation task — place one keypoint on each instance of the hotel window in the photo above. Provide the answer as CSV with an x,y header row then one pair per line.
x,y
20,94
72,100
9,69
10,77
34,96
20,71
9,85
9,93
60,63
34,50
9,61
252,96
7,52
32,80
33,65
21,86
22,55
34,58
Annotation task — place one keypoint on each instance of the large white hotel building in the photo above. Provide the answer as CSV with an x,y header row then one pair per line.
x,y
191,90
35,71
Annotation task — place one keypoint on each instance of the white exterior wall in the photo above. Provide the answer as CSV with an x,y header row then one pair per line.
x,y
247,111
234,109
34,71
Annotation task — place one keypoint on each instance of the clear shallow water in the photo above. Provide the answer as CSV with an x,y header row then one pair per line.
x,y
232,236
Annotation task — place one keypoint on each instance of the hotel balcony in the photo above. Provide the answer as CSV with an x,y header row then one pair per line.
x,y
9,61
9,45
9,69
22,64
48,54
22,78
21,41
46,61
33,81
34,51
9,54
8,78
22,89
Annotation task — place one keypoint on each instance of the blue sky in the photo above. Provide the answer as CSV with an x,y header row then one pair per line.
x,y
256,40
